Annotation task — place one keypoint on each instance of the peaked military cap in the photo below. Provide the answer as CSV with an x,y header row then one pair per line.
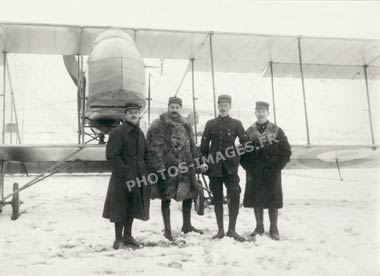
x,y
262,105
175,100
131,105
224,99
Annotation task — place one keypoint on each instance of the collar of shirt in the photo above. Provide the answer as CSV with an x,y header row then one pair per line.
x,y
223,118
261,127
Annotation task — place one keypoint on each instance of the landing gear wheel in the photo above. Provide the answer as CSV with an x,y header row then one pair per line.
x,y
15,203
199,201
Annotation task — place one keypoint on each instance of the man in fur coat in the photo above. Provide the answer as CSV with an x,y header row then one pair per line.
x,y
127,154
172,151
263,167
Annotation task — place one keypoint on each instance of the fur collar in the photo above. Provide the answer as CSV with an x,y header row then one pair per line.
x,y
168,120
253,132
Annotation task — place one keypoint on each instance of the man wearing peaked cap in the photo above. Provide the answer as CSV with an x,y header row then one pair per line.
x,y
171,142
126,153
263,167
220,134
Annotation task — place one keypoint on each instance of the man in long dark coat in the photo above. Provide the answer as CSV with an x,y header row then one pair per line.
x,y
222,133
172,151
126,152
263,167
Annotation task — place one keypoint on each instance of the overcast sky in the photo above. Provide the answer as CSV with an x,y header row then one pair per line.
x,y
316,18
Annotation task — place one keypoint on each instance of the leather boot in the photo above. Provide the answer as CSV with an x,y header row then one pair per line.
x,y
118,236
259,216
233,208
219,220
186,216
128,239
167,228
273,231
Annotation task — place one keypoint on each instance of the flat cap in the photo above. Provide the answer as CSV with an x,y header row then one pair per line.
x,y
175,100
224,99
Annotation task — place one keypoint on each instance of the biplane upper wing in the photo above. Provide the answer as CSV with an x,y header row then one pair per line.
x,y
322,71
232,52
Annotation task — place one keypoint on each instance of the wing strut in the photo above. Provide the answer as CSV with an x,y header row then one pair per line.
x,y
182,79
81,100
149,97
212,73
13,108
4,94
369,104
272,85
303,91
193,91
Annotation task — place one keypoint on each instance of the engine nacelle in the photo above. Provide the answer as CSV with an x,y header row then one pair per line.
x,y
115,76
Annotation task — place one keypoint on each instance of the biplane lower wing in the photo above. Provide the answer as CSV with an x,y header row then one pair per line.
x,y
331,156
51,153
303,157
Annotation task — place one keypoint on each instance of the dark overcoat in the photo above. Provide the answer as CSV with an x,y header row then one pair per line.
x,y
221,132
263,167
126,152
171,145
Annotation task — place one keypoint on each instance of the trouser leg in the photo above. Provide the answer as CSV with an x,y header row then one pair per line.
x,y
118,231
233,192
216,186
273,217
128,227
118,235
128,238
186,216
259,216
165,210
233,211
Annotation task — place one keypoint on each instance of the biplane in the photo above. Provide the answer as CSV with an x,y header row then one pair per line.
x,y
115,75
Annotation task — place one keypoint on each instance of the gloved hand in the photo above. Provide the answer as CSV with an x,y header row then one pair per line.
x,y
204,168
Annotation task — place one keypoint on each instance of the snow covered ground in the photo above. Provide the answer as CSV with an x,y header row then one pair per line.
x,y
327,227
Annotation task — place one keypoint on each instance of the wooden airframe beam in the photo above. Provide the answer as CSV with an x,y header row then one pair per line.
x,y
303,91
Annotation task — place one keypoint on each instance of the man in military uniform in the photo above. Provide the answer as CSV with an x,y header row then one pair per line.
x,y
127,154
263,167
171,145
222,132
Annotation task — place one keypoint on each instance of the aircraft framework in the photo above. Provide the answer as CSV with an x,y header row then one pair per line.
x,y
207,51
